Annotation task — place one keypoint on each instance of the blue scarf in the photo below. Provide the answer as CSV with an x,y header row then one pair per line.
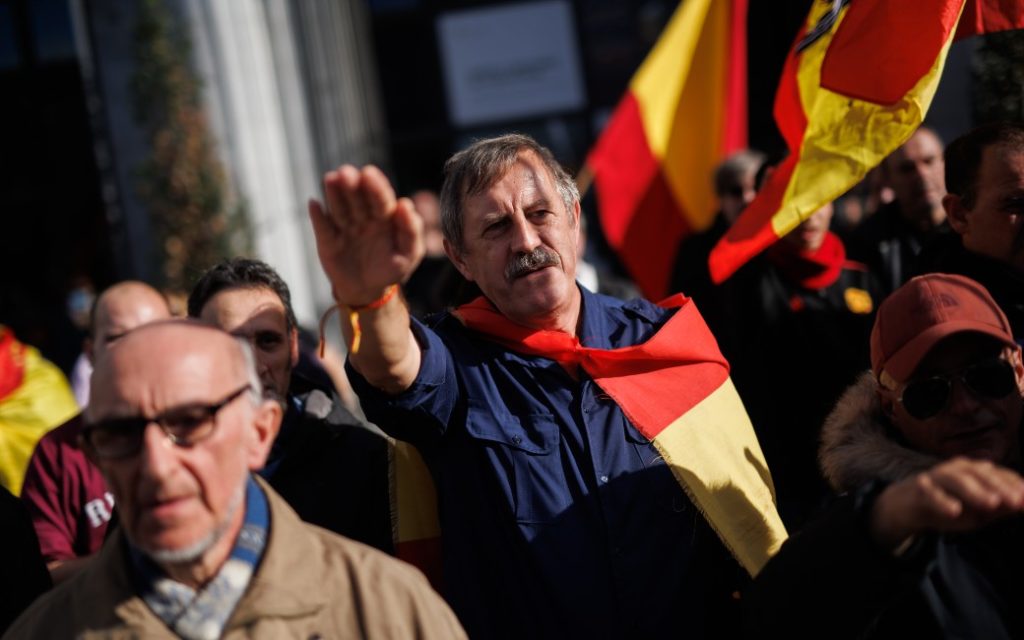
x,y
202,614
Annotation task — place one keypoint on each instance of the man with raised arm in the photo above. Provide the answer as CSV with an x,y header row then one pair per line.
x,y
586,451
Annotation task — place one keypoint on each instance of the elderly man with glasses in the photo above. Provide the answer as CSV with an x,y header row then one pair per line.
x,y
177,423
926,447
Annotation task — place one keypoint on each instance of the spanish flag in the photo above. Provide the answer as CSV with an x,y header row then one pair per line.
x,y
34,398
856,85
989,16
684,111
675,389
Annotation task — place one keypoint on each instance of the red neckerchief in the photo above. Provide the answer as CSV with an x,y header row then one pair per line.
x,y
12,362
653,383
810,269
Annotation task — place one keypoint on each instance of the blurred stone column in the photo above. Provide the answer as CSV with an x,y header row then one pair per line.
x,y
287,89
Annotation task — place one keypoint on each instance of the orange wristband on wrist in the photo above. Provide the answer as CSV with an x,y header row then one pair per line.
x,y
353,317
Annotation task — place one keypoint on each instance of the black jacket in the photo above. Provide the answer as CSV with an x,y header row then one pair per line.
x,y
332,468
890,246
946,254
793,351
24,576
830,580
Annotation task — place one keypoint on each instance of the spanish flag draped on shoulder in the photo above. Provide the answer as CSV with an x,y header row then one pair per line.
x,y
675,389
856,85
684,111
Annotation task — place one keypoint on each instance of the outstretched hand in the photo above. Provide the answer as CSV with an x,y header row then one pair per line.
x,y
366,238
957,495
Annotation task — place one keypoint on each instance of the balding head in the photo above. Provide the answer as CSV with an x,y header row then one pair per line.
x,y
176,423
122,308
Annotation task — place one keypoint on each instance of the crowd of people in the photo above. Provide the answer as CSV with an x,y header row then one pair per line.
x,y
828,444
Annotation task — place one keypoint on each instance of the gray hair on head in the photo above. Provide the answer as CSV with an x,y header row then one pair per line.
x,y
251,372
477,167
732,169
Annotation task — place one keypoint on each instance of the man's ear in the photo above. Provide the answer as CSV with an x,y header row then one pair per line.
x,y
266,423
886,401
1018,369
456,257
87,348
293,346
956,213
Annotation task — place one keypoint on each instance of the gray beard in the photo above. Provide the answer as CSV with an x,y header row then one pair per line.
x,y
197,549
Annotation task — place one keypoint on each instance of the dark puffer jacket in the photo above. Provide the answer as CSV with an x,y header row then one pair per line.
x,y
831,580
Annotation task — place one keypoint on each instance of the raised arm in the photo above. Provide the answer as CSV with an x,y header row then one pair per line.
x,y
368,240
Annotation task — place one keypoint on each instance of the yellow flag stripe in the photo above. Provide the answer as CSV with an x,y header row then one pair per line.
x,y
680,90
413,495
845,137
714,454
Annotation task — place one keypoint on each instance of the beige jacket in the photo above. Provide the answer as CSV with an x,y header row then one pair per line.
x,y
310,584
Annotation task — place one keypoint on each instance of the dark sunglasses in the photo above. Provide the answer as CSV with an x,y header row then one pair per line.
x,y
184,426
927,397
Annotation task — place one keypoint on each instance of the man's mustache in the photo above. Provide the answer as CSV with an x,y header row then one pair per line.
x,y
524,263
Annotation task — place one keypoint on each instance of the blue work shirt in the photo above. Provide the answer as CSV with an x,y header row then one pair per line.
x,y
558,518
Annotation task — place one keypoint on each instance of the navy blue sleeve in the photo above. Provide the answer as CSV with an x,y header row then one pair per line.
x,y
422,412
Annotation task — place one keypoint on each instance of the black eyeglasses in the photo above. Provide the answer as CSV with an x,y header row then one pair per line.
x,y
925,398
184,426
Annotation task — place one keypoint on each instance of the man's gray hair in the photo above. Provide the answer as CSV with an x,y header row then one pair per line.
x,y
731,170
251,372
474,169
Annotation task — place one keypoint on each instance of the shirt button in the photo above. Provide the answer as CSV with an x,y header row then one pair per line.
x,y
517,439
604,479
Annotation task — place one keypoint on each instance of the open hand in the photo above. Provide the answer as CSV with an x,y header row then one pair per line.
x,y
366,238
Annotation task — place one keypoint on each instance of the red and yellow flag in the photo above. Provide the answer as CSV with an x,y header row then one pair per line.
x,y
34,398
675,389
856,86
684,111
415,525
990,16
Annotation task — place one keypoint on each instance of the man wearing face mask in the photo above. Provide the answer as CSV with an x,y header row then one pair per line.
x,y
926,447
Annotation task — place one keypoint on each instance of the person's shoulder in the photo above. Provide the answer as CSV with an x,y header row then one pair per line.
x,y
329,420
58,613
634,310
65,434
395,588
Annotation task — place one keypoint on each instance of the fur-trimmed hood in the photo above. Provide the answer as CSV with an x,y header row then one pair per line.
x,y
857,445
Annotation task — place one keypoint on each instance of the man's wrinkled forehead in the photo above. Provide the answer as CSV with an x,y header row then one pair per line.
x,y
241,310
168,342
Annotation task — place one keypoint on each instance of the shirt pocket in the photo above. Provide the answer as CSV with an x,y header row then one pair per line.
x,y
523,451
661,484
